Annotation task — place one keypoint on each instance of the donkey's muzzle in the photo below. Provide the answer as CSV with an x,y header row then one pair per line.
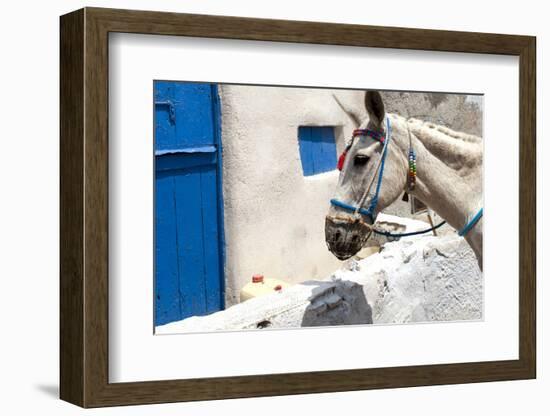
x,y
345,236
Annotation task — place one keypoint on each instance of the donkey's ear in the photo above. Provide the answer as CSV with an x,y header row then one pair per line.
x,y
375,107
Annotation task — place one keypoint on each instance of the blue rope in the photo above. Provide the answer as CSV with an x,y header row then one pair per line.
x,y
363,211
471,223
388,234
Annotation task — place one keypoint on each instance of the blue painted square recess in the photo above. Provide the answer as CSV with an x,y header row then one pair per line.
x,y
317,149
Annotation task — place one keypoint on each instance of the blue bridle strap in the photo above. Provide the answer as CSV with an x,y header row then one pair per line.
x,y
369,212
374,200
471,223
350,208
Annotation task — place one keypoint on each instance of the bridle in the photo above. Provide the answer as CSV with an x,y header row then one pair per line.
x,y
383,138
358,210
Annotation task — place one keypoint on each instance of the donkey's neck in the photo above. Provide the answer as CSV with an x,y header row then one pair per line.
x,y
449,194
453,192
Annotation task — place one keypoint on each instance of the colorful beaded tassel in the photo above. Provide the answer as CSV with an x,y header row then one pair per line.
x,y
412,169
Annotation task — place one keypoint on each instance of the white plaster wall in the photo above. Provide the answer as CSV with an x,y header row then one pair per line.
x,y
274,215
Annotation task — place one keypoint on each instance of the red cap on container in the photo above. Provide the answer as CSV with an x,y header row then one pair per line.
x,y
258,278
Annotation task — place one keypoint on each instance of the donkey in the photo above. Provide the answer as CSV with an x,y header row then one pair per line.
x,y
389,155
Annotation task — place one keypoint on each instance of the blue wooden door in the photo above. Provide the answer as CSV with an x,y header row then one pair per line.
x,y
188,205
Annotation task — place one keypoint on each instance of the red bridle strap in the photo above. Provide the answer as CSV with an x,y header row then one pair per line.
x,y
376,135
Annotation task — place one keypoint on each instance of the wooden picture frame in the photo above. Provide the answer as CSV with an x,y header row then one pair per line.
x,y
84,207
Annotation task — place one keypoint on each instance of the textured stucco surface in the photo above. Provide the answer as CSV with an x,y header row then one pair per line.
x,y
414,279
421,280
274,216
311,303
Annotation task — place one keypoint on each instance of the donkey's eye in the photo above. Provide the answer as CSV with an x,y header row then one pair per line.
x,y
360,160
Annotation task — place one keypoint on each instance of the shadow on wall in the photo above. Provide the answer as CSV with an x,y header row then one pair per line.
x,y
343,303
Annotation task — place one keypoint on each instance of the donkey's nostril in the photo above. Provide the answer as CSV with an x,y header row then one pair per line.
x,y
337,235
355,239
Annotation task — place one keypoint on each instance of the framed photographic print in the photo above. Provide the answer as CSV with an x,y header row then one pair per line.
x,y
256,207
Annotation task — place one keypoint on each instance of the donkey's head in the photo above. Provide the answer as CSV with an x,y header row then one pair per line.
x,y
373,174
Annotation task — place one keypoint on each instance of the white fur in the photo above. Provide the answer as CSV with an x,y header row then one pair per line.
x,y
449,172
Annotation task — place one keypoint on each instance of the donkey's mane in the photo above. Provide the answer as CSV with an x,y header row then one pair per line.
x,y
461,151
465,137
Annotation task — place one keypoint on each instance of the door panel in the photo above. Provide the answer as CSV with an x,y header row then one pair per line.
x,y
185,114
167,299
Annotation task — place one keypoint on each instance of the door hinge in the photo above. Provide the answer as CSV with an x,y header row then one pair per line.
x,y
171,109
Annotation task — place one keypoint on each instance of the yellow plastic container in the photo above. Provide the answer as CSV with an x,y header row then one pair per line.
x,y
259,286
